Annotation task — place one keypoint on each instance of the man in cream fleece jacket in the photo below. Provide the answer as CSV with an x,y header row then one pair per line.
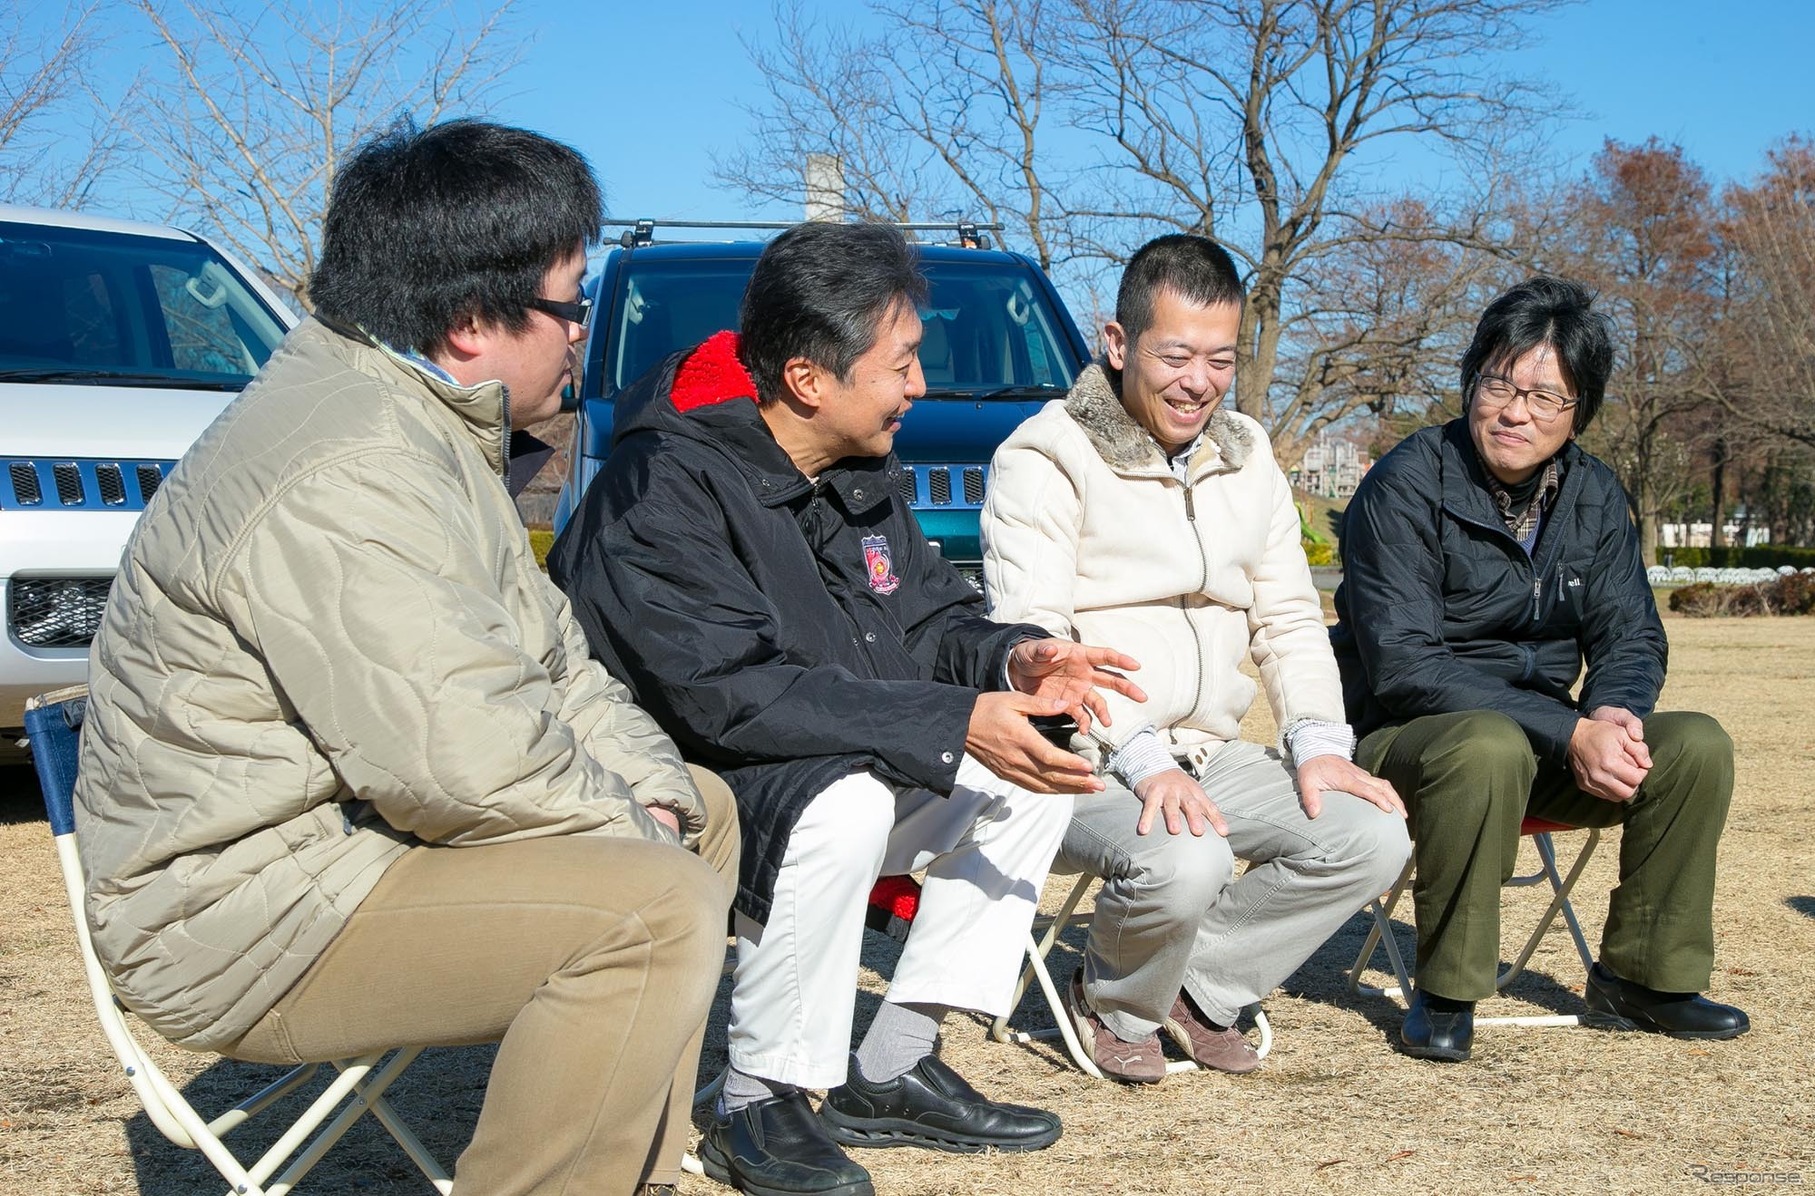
x,y
1138,513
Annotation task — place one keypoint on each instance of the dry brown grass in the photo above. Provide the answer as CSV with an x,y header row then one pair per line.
x,y
1335,1110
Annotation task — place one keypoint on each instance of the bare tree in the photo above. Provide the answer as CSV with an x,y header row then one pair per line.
x,y
1643,235
937,116
1765,376
1087,126
42,83
260,103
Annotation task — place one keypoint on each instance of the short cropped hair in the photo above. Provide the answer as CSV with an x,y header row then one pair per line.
x,y
429,227
1546,311
821,291
1194,268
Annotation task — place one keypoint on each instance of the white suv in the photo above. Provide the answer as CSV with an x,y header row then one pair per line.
x,y
119,343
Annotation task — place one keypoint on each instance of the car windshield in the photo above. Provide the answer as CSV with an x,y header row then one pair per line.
x,y
129,310
985,328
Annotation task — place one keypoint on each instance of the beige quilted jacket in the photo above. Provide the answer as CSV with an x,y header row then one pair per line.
x,y
328,642
1087,533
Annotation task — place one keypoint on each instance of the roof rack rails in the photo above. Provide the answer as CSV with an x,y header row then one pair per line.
x,y
642,232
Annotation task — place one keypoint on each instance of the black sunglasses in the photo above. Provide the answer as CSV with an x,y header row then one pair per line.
x,y
578,311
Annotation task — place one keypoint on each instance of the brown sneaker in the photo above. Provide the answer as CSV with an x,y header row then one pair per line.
x,y
1220,1050
1130,1062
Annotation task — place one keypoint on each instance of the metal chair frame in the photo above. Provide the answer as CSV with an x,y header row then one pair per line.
x,y
1380,935
53,721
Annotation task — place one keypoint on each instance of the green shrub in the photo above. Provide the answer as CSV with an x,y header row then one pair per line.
x,y
1319,552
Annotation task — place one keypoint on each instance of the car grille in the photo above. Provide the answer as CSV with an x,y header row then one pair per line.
x,y
945,486
80,485
56,612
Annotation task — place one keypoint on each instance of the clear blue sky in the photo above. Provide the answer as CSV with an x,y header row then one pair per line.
x,y
650,90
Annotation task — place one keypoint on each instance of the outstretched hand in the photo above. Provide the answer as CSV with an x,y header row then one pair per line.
x,y
1071,673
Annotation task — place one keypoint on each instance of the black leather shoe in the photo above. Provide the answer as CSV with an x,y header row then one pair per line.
x,y
1616,1004
1438,1028
777,1147
931,1106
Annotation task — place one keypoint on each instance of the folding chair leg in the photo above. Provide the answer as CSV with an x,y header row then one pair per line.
x,y
1380,934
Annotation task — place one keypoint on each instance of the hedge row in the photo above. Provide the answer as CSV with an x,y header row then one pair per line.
x,y
1791,595
1763,556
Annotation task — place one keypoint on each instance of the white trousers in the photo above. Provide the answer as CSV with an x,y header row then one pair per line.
x,y
985,850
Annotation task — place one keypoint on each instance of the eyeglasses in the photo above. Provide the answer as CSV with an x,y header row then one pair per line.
x,y
1495,392
579,311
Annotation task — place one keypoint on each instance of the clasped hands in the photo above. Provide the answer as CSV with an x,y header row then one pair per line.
x,y
1608,755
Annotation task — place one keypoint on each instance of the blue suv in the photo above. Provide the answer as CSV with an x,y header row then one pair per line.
x,y
997,343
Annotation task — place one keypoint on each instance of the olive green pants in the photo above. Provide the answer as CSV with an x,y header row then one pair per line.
x,y
1469,778
591,960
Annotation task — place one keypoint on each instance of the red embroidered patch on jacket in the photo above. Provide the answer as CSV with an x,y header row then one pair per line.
x,y
712,374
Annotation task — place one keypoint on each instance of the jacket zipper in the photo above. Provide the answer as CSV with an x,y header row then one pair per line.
x,y
1203,579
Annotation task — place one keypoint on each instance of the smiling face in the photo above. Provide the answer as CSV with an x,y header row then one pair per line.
x,y
1175,374
858,416
1513,445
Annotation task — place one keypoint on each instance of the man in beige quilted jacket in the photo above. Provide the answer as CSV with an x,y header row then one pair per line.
x,y
350,778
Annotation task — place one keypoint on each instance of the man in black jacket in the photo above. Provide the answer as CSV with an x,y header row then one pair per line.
x,y
744,563
1483,562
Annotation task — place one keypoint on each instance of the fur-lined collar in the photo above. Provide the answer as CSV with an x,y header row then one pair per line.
x,y
1129,448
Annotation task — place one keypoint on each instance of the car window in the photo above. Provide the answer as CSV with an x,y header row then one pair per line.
x,y
985,326
102,303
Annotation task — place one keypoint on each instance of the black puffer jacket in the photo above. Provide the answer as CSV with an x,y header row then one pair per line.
x,y
1440,609
785,633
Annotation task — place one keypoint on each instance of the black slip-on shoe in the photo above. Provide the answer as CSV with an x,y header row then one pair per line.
x,y
1438,1028
778,1147
1618,1004
931,1106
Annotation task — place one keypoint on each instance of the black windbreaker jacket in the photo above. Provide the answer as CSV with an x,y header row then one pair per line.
x,y
784,632
1440,609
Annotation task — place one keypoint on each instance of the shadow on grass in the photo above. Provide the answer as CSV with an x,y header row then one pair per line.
x,y
19,797
1802,905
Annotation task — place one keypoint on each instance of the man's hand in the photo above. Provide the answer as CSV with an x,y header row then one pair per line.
x,y
1633,725
1177,795
1003,741
1607,754
1331,773
666,817
1070,673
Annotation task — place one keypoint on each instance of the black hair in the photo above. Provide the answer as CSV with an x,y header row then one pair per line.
x,y
1194,268
1546,311
429,227
821,291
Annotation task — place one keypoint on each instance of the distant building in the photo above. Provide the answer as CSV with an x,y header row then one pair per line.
x,y
1701,535
1331,467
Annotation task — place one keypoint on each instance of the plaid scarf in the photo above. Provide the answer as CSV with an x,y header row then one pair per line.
x,y
1523,524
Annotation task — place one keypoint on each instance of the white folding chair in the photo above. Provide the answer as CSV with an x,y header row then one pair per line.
x,y
1380,935
1040,939
52,724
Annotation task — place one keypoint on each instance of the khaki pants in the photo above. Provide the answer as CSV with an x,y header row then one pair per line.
x,y
591,960
1173,914
1469,778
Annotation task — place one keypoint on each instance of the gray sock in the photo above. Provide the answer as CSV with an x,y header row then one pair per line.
x,y
741,1088
900,1037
